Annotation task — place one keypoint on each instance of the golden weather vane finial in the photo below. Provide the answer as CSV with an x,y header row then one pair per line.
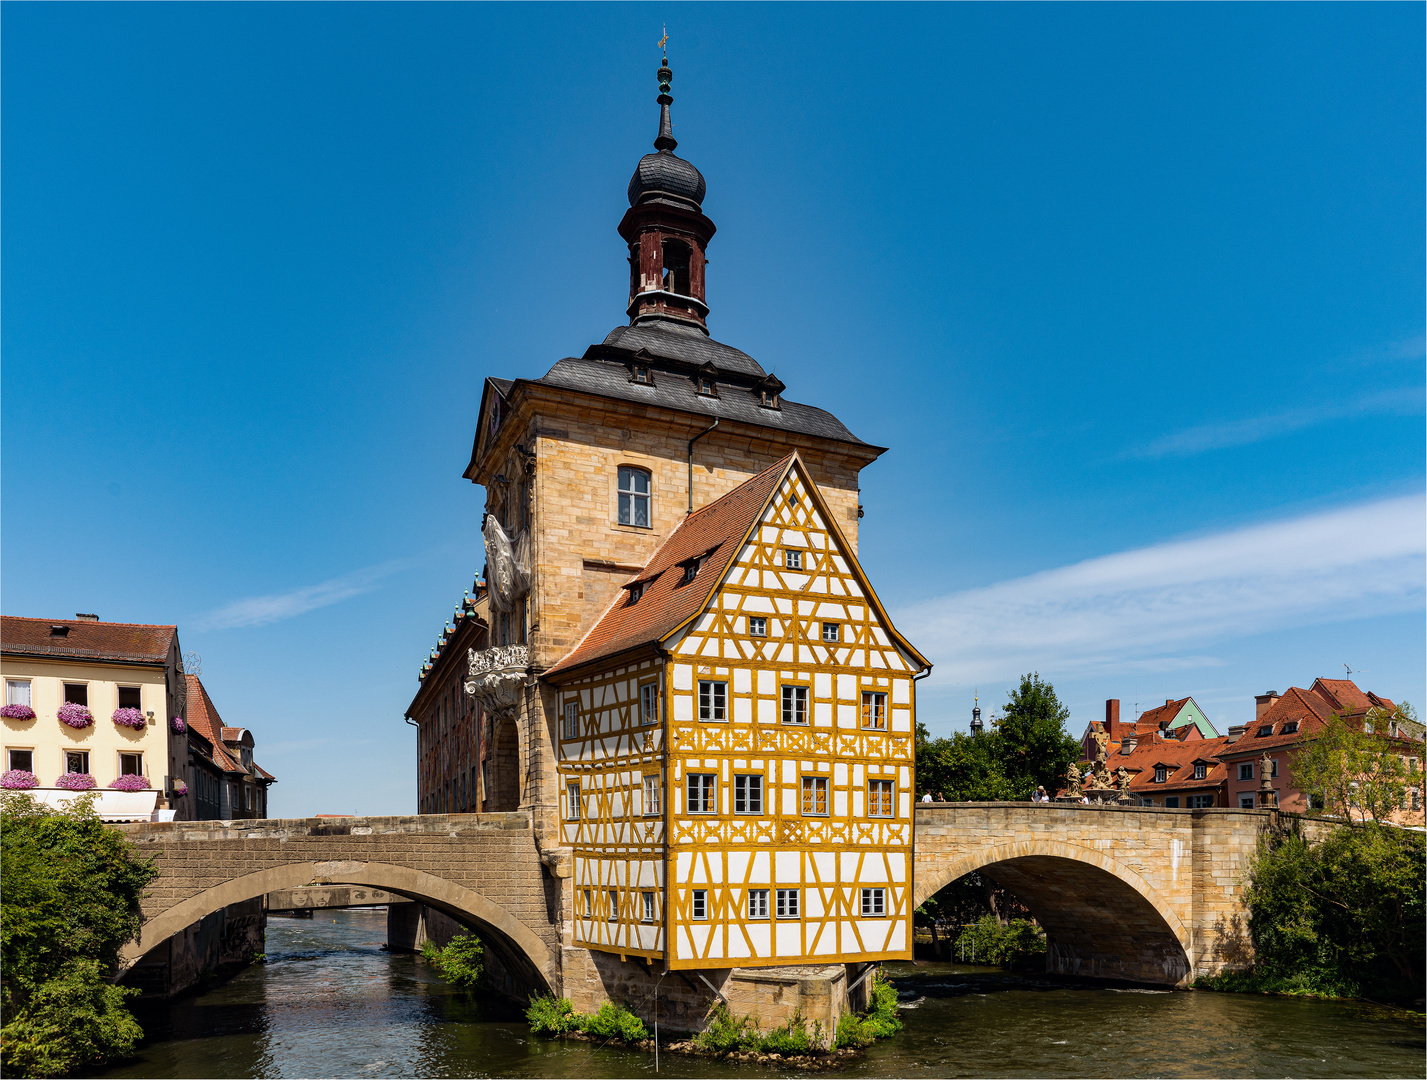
x,y
665,39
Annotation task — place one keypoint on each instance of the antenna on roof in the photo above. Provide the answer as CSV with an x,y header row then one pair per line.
x,y
1350,671
192,664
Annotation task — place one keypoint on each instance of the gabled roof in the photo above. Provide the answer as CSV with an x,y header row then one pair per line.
x,y
1179,759
203,717
83,639
1346,698
716,533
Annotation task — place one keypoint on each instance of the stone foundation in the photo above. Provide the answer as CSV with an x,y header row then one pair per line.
x,y
230,935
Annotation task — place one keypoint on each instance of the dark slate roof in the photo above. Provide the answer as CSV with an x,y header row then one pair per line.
x,y
689,346
674,390
666,172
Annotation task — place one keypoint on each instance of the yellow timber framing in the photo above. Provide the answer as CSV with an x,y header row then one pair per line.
x,y
729,854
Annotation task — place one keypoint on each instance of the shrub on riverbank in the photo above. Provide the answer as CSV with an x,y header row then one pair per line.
x,y
71,902
880,1021
991,942
460,963
549,1015
1343,917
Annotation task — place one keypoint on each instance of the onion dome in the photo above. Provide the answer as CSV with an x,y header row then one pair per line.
x,y
663,173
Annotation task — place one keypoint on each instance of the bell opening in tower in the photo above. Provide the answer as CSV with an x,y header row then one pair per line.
x,y
676,267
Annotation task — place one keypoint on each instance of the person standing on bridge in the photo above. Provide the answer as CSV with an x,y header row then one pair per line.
x,y
926,796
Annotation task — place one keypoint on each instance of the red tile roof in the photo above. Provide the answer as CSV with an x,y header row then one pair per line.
x,y
1345,697
1179,758
717,531
137,643
1311,708
203,717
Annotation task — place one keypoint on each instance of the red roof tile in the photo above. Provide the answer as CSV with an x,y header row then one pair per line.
x,y
1310,708
1179,757
1345,696
137,643
717,531
203,717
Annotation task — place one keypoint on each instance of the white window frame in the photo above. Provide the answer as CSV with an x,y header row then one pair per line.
x,y
1161,774
792,559
83,755
758,903
574,801
1200,770
572,720
877,700
11,751
814,785
748,790
1246,770
832,633
1199,802
793,704
647,899
648,703
889,786
699,904
705,787
64,692
874,903
138,690
626,513
139,754
1246,802
13,688
788,903
653,787
713,701
757,626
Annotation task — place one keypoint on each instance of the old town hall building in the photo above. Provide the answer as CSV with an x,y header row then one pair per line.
x,y
714,714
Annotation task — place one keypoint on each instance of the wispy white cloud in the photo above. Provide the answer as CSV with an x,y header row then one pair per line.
x,y
1161,607
1195,440
262,610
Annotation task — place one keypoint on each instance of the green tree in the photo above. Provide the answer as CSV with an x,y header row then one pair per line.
x,y
71,901
1034,746
1351,769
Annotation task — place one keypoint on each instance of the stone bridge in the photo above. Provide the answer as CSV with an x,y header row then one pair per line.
x,y
1142,894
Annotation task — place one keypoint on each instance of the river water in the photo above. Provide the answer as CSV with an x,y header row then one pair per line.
x,y
330,1002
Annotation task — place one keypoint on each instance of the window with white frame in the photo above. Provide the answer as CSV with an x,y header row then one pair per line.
x,y
758,903
76,761
613,905
1201,770
1200,802
874,903
795,704
832,631
748,794
713,700
649,703
757,626
874,710
24,760
76,694
572,720
792,559
880,798
633,496
648,902
815,796
130,697
572,800
1246,802
1160,774
699,904
653,785
787,903
17,692
1246,770
702,793
131,764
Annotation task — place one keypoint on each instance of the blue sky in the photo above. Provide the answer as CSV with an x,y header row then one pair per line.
x,y
1133,293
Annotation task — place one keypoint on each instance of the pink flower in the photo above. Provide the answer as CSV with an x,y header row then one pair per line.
x,y
18,780
17,712
180,789
76,716
176,722
130,718
75,781
131,782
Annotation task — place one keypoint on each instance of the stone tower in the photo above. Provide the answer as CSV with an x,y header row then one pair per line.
x,y
588,468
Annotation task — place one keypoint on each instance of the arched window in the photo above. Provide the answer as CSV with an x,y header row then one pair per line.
x,y
676,267
634,496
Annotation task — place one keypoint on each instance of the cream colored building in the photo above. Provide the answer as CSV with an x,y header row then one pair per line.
x,y
101,667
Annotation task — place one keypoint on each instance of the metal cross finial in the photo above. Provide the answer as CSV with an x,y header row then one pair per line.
x,y
664,40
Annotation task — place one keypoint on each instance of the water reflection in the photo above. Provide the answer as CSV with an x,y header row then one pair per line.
x,y
331,1002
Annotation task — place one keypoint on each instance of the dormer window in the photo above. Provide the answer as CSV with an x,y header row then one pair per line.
x,y
1200,770
1267,729
770,392
635,592
707,386
640,373
1290,728
691,570
1160,774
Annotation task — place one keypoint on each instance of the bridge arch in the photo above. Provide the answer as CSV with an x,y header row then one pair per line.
x,y
520,949
1101,917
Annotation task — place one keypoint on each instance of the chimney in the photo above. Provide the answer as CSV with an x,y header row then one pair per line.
x,y
84,617
1263,702
1129,740
1169,701
1112,717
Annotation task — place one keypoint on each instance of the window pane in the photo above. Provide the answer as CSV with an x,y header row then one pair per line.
x,y
76,693
17,692
641,511
22,759
624,510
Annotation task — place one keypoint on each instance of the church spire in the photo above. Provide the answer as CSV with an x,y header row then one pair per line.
x,y
665,141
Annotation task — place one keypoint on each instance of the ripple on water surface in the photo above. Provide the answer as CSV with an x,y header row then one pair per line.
x,y
331,1002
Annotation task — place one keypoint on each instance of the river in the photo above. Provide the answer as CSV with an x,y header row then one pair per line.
x,y
331,1002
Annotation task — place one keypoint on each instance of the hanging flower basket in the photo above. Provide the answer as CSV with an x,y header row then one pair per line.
x,y
176,722
131,782
180,789
130,718
17,712
76,716
18,780
75,781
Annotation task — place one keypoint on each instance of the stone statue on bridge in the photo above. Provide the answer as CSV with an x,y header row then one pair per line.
x,y
1122,780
